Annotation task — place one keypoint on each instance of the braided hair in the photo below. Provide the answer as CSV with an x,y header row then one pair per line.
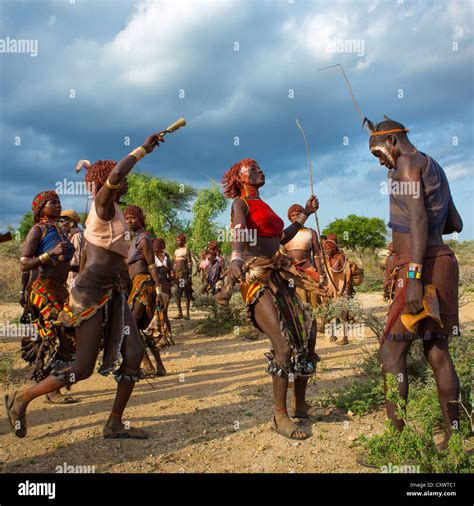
x,y
231,181
158,243
135,212
97,174
295,208
40,201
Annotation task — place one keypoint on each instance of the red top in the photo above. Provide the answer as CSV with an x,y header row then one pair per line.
x,y
261,217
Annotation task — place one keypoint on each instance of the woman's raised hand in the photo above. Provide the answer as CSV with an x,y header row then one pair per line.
x,y
152,141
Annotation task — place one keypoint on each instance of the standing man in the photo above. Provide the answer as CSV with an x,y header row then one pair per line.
x,y
421,211
183,267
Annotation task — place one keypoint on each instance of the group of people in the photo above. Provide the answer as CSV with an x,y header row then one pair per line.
x,y
282,276
211,269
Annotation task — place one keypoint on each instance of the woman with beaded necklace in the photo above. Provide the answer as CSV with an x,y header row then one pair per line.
x,y
50,251
267,283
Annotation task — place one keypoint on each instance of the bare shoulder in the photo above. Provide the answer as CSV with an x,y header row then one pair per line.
x,y
409,166
32,240
35,232
239,205
145,241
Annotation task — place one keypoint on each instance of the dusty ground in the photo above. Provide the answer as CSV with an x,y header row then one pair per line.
x,y
211,413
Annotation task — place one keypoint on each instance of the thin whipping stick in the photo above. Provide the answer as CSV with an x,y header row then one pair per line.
x,y
315,214
348,87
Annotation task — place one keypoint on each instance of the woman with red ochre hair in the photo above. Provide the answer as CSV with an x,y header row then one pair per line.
x,y
159,333
267,283
48,251
146,285
97,305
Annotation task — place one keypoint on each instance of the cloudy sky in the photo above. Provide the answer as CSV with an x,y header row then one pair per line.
x,y
107,70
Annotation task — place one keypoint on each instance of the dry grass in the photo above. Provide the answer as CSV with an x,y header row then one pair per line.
x,y
7,361
10,279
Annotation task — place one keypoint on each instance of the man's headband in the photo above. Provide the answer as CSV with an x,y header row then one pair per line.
x,y
393,131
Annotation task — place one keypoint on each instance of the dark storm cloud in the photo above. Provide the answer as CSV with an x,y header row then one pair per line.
x,y
126,63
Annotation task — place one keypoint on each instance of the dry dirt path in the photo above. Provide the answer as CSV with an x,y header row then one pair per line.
x,y
211,413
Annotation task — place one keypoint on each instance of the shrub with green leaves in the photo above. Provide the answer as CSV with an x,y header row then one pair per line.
x,y
349,307
222,320
415,445
363,394
203,301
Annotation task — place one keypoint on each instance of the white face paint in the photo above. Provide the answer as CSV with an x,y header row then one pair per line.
x,y
389,159
244,170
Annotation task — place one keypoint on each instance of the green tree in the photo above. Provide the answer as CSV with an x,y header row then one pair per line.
x,y
164,202
208,205
358,233
25,224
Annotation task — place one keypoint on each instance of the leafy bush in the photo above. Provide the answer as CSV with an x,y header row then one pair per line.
x,y
414,445
414,448
358,398
222,320
363,395
346,308
358,233
422,415
204,301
